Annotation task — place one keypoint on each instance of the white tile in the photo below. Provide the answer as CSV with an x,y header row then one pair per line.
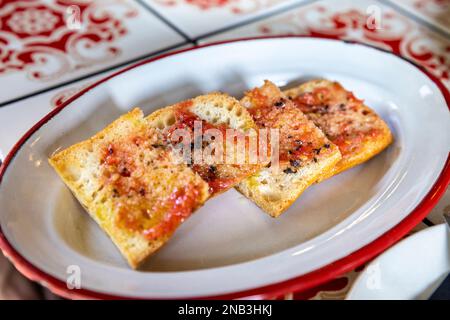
x,y
18,117
347,19
38,48
200,17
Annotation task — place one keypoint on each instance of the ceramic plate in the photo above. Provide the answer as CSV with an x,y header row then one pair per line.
x,y
412,269
230,248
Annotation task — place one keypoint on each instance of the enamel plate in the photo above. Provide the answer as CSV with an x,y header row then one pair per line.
x,y
412,269
230,248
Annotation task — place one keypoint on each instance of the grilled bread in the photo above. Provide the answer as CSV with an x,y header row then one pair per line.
x,y
356,129
214,111
126,179
305,153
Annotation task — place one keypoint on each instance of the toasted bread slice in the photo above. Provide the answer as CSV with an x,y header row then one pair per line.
x,y
127,181
356,129
214,111
305,153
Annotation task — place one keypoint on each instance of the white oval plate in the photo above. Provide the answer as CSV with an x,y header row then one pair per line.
x,y
230,245
412,269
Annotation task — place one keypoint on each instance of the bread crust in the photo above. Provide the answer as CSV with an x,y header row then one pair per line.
x,y
356,129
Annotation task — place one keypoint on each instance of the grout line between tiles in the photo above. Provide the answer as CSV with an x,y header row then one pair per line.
x,y
92,74
164,20
188,40
195,40
255,19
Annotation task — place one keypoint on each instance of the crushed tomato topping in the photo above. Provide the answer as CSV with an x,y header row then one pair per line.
x,y
123,170
298,140
215,175
333,110
180,204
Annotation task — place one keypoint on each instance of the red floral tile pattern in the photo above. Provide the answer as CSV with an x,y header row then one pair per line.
x,y
436,12
348,20
234,6
36,38
44,43
65,94
16,118
394,34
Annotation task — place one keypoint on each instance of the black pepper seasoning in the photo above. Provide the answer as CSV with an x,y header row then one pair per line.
x,y
295,163
280,103
289,170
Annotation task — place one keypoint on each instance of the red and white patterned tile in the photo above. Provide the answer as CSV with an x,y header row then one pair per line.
x,y
200,17
367,21
46,42
436,12
16,118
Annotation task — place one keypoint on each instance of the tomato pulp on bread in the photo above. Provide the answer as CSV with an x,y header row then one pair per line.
x,y
147,203
345,119
219,175
298,139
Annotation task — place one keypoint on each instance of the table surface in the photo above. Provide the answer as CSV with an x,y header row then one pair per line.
x,y
51,49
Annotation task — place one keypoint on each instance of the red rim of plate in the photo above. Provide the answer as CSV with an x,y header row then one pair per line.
x,y
296,284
